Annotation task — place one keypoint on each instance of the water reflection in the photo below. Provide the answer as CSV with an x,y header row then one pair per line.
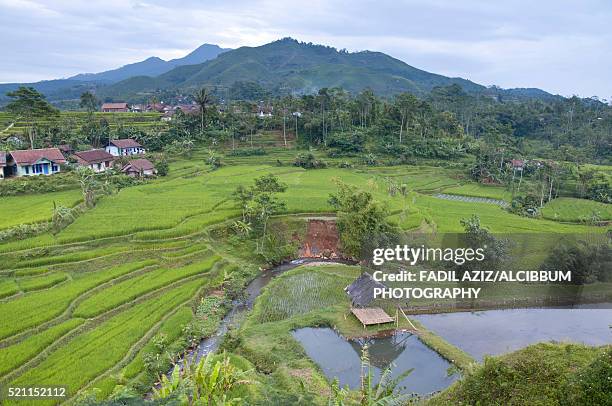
x,y
496,332
340,358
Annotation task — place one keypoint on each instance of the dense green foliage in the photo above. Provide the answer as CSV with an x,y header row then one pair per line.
x,y
545,374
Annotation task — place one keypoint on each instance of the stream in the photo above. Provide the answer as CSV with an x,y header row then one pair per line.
x,y
234,317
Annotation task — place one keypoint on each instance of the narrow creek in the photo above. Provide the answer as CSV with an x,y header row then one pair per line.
x,y
235,316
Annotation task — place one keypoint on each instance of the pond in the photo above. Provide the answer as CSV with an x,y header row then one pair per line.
x,y
496,332
341,358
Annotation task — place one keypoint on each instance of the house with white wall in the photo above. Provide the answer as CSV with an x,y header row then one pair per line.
x,y
139,168
124,147
33,162
97,160
2,164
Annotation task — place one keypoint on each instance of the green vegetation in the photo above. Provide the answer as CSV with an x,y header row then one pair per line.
x,y
34,308
544,374
95,351
151,269
130,289
16,210
15,355
577,210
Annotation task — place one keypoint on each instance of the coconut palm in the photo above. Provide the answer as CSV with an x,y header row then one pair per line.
x,y
202,98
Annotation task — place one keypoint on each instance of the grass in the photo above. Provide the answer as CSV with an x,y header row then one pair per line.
x,y
536,375
91,353
576,210
300,292
33,208
95,266
132,288
8,286
41,282
14,356
36,307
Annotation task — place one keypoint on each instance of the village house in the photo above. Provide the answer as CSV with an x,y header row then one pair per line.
x,y
2,164
115,108
124,147
96,159
517,164
139,168
66,149
33,162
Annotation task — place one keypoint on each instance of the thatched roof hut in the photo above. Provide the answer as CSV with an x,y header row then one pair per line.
x,y
361,290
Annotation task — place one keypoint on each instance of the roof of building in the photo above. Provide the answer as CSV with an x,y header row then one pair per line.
x,y
139,165
372,315
518,162
126,143
65,148
93,156
361,290
30,156
114,106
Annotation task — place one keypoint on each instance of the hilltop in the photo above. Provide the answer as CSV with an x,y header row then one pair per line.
x,y
280,67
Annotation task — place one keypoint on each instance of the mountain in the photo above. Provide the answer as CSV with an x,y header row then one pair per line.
x,y
152,66
280,67
201,54
300,68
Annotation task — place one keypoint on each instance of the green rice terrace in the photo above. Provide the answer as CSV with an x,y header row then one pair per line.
x,y
107,304
10,125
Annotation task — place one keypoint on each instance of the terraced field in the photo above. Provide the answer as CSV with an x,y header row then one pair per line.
x,y
32,208
9,125
86,307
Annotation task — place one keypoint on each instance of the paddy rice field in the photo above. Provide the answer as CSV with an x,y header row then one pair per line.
x,y
82,308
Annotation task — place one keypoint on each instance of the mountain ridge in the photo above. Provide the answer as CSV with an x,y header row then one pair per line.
x,y
152,66
282,66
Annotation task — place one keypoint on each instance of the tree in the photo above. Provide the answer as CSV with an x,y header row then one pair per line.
x,y
89,102
89,185
405,104
203,99
30,105
360,218
495,250
258,202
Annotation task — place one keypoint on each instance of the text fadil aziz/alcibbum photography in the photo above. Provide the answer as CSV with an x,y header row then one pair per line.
x,y
459,256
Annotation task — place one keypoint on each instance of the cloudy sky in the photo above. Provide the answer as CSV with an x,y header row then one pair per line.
x,y
562,46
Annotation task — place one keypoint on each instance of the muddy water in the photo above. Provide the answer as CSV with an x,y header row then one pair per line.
x,y
496,332
341,358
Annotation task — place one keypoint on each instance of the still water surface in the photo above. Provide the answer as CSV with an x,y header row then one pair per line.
x,y
496,332
340,358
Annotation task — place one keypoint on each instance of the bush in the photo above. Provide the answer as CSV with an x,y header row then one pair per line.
x,y
248,152
308,161
38,184
587,262
591,385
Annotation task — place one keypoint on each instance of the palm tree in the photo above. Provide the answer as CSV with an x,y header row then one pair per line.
x,y
202,98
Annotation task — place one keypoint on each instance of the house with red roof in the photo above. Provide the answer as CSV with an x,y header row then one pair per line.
x,y
139,168
96,159
124,147
115,108
32,162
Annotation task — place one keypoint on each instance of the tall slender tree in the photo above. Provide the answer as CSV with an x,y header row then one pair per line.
x,y
203,99
30,105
